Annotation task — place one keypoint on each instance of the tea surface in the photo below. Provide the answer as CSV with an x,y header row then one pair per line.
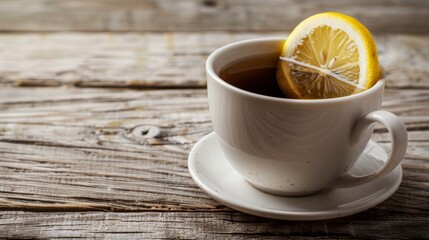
x,y
256,75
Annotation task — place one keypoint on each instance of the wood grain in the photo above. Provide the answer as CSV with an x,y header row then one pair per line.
x,y
90,140
170,15
162,59
385,224
67,149
124,152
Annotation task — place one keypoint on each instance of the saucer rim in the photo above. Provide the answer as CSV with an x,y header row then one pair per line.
x,y
239,205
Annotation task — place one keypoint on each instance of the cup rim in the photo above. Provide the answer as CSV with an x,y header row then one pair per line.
x,y
213,56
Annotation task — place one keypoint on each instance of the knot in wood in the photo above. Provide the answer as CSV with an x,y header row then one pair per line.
x,y
146,132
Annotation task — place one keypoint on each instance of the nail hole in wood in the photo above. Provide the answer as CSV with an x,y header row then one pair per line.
x,y
145,131
210,3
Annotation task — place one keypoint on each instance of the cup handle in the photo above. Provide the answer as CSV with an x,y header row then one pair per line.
x,y
399,136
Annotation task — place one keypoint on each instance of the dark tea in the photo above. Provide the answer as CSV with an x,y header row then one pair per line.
x,y
256,75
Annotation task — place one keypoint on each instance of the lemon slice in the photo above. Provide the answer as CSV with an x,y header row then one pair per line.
x,y
328,55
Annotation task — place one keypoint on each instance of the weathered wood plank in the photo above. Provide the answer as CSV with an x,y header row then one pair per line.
x,y
68,149
100,147
385,224
250,15
147,60
162,59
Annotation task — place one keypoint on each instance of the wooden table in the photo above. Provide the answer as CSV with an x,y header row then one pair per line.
x,y
96,128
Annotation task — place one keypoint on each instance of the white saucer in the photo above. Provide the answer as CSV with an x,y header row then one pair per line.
x,y
212,172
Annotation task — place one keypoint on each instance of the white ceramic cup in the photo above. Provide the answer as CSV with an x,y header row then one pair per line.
x,y
295,147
